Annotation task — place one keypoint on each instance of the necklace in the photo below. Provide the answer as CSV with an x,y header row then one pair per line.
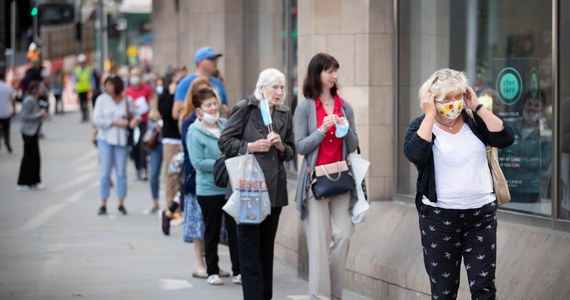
x,y
448,125
327,102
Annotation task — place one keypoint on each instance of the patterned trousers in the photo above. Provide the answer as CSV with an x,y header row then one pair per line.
x,y
448,235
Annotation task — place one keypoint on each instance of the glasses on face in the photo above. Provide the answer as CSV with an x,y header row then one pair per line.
x,y
450,98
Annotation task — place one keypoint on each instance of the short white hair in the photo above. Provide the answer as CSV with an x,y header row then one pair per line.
x,y
266,77
443,82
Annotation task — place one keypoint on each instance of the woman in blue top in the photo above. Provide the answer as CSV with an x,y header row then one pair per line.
x,y
202,142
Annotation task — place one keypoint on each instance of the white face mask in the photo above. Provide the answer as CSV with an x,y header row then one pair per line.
x,y
135,80
211,119
531,118
159,90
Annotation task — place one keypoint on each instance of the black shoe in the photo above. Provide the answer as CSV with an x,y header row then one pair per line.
x,y
102,211
9,149
122,210
165,223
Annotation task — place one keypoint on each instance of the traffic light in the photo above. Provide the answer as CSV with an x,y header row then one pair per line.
x,y
34,11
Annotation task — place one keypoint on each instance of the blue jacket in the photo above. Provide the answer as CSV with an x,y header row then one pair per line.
x,y
419,151
189,173
204,151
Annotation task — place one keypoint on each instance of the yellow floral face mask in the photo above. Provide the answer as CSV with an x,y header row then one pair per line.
x,y
450,110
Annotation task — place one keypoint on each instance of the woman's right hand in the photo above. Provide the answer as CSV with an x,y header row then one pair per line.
x,y
261,145
328,121
428,105
121,123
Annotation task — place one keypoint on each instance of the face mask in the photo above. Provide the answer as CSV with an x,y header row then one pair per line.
x,y
159,90
531,118
135,80
341,130
450,110
211,119
265,113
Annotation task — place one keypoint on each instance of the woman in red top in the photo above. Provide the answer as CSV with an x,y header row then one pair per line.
x,y
324,133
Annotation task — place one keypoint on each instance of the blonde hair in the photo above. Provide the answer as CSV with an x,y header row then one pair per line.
x,y
443,82
195,86
266,77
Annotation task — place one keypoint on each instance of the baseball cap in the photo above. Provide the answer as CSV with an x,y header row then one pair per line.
x,y
205,53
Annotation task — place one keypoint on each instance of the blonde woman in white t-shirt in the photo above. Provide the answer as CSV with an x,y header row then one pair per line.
x,y
455,198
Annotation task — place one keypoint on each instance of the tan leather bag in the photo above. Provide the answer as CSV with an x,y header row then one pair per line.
x,y
499,181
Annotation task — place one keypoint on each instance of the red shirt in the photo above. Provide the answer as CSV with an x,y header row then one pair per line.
x,y
330,150
142,91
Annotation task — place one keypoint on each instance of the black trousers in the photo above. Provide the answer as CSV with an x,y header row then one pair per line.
x,y
256,244
138,153
84,106
30,166
212,212
5,133
448,235
58,103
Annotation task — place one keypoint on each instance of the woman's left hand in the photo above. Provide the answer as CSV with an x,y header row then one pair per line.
x,y
471,99
275,140
134,123
341,121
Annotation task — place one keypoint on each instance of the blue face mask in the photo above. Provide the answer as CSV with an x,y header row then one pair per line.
x,y
265,113
341,130
159,90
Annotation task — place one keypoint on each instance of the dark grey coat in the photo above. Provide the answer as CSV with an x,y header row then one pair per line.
x,y
232,143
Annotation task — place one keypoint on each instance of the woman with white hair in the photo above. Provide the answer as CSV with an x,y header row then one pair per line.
x,y
455,198
246,132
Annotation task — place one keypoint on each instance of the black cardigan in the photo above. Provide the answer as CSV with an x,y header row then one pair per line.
x,y
419,151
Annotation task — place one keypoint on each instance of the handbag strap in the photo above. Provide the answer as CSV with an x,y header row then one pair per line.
x,y
328,175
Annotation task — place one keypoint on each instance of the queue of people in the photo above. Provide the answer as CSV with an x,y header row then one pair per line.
x,y
183,131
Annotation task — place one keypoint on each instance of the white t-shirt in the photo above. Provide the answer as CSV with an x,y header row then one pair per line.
x,y
6,96
462,176
105,112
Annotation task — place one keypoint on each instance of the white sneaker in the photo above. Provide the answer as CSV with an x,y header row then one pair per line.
x,y
40,186
22,188
237,279
215,280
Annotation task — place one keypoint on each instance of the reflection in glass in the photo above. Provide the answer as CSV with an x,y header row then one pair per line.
x,y
526,164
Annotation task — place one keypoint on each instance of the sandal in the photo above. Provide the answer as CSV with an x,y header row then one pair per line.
x,y
202,274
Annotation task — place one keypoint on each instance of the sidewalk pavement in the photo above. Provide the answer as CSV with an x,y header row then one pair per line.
x,y
54,246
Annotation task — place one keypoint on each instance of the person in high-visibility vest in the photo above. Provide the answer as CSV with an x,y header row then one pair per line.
x,y
82,77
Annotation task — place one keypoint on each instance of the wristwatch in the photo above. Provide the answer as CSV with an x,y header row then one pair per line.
x,y
478,108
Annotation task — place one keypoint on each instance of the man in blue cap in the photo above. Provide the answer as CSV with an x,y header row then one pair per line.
x,y
206,60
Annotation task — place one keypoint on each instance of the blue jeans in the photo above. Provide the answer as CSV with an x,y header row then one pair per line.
x,y
155,164
109,156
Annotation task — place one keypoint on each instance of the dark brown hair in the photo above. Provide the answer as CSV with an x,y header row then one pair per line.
x,y
33,87
312,86
117,83
201,95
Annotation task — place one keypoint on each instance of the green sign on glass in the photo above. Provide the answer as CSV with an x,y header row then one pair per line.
x,y
509,85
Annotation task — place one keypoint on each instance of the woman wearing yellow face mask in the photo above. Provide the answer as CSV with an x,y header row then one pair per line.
x,y
455,198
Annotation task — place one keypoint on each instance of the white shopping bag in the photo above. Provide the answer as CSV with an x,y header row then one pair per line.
x,y
141,105
359,169
249,202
